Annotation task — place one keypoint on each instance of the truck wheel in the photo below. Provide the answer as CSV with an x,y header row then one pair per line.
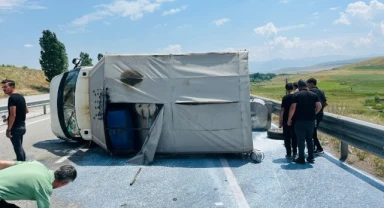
x,y
275,134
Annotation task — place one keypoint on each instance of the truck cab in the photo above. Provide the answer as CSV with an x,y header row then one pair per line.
x,y
69,101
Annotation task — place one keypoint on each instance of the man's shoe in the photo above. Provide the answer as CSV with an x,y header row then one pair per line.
x,y
318,151
311,160
288,156
299,160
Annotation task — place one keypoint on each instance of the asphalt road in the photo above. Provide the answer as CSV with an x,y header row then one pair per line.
x,y
195,181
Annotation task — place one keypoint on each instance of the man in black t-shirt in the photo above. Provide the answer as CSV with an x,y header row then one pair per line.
x,y
305,106
17,110
290,142
312,82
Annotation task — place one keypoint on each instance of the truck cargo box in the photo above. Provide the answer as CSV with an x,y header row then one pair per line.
x,y
197,103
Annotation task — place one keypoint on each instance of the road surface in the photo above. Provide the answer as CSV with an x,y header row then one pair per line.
x,y
199,181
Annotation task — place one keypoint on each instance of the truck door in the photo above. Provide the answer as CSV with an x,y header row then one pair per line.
x,y
97,104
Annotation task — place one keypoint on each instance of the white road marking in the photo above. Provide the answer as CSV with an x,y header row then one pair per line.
x,y
62,159
280,183
72,152
219,204
30,123
237,192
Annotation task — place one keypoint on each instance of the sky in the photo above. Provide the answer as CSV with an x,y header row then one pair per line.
x,y
268,29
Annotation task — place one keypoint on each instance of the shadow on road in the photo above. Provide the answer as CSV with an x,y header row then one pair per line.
x,y
94,155
57,147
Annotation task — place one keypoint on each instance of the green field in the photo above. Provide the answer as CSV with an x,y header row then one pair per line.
x,y
351,91
348,88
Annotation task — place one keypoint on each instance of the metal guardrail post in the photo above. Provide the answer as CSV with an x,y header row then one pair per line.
x,y
269,105
343,151
45,109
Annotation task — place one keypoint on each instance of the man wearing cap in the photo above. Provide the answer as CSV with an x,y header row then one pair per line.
x,y
305,106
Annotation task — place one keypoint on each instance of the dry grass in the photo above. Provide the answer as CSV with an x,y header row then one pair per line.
x,y
357,158
28,81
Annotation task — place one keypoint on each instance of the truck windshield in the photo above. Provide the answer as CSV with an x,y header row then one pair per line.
x,y
68,101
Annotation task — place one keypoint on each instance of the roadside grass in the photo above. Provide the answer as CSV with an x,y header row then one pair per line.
x,y
348,88
28,81
357,158
351,91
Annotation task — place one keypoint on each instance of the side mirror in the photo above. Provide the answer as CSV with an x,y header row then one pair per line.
x,y
76,62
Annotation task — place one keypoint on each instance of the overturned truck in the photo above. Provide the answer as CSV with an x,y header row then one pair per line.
x,y
147,104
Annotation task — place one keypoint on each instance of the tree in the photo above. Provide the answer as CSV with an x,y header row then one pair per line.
x,y
85,60
53,56
99,56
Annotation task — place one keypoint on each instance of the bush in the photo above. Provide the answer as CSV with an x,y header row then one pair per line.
x,y
361,155
379,166
370,103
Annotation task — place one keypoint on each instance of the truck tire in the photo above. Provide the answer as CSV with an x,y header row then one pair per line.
x,y
276,134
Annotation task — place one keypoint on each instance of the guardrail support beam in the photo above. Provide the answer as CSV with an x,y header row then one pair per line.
x,y
269,106
343,151
45,109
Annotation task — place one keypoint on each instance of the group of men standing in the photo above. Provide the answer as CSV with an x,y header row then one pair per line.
x,y
301,113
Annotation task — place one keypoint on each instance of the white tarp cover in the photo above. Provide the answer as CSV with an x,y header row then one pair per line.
x,y
147,153
205,97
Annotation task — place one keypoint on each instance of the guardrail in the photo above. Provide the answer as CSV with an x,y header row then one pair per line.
x,y
360,134
34,104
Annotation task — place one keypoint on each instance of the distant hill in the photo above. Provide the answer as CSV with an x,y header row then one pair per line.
x,y
318,67
28,81
369,65
279,64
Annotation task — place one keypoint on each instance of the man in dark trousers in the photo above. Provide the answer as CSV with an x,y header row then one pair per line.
x,y
305,106
17,110
312,82
290,142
